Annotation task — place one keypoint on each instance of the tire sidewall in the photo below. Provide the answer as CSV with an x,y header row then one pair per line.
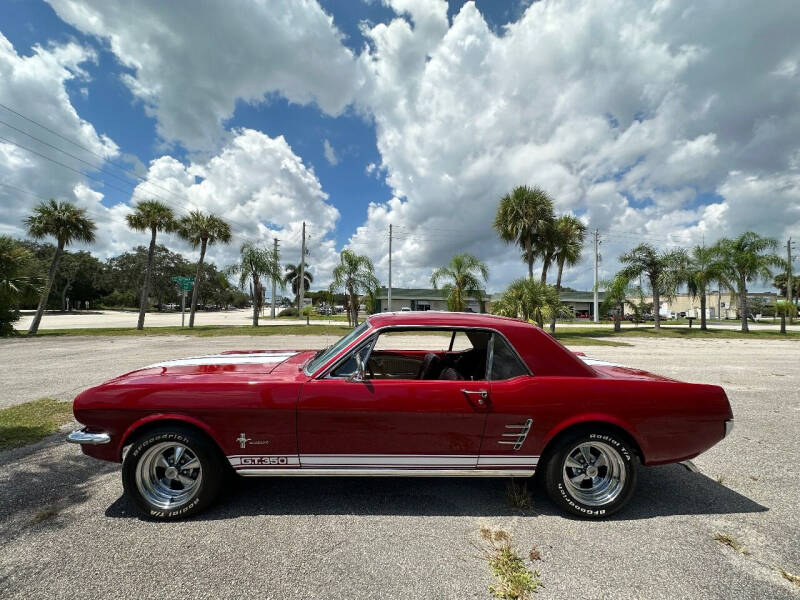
x,y
202,449
559,492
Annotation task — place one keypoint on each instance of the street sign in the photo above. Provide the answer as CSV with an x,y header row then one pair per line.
x,y
185,283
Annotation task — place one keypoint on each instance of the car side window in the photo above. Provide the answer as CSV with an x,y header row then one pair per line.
x,y
505,362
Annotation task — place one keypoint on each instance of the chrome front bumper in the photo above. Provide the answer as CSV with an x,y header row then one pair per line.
x,y
80,436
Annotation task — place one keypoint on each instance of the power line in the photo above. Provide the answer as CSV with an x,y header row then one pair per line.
x,y
175,206
82,147
96,167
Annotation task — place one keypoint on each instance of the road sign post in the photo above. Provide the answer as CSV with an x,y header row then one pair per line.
x,y
185,284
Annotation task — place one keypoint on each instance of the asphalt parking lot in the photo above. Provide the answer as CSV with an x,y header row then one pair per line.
x,y
66,531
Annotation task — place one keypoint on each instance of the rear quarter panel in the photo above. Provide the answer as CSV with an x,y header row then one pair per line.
x,y
669,420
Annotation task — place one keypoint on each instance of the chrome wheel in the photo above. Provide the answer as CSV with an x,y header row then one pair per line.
x,y
594,473
168,475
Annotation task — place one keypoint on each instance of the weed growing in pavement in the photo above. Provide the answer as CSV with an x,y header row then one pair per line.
x,y
518,497
732,542
513,580
44,515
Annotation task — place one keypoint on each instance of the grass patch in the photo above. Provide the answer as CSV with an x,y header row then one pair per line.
x,y
513,580
518,496
795,579
30,422
730,541
578,333
200,331
580,339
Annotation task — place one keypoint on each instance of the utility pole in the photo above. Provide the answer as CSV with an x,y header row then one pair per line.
x,y
389,289
596,260
789,286
301,286
274,275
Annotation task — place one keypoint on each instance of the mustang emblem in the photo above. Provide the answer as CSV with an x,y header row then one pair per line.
x,y
243,439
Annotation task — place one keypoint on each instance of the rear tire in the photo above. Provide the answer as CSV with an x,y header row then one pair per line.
x,y
592,474
172,472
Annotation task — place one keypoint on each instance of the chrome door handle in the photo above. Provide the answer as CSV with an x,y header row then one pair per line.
x,y
482,395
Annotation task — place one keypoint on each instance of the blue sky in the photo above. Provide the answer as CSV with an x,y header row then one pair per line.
x,y
630,116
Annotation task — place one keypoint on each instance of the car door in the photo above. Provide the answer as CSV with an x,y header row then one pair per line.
x,y
390,424
508,442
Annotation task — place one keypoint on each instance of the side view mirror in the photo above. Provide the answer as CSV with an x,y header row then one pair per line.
x,y
358,374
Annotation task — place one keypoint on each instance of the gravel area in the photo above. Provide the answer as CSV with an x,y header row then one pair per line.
x,y
66,531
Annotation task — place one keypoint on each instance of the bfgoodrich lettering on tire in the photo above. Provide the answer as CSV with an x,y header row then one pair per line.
x,y
172,472
592,474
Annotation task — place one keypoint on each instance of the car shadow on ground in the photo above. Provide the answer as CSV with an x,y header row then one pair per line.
x,y
39,482
662,491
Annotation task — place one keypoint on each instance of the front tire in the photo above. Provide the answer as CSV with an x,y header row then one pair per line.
x,y
592,474
172,472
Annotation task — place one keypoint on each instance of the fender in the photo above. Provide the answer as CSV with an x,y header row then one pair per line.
x,y
596,417
153,418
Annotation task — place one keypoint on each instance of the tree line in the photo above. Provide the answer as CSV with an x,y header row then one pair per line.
x,y
44,275
525,218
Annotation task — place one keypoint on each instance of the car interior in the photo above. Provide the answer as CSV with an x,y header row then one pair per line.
x,y
435,354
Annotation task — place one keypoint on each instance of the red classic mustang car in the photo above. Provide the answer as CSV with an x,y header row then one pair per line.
x,y
406,394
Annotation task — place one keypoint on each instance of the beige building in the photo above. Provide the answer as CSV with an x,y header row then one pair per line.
x,y
722,305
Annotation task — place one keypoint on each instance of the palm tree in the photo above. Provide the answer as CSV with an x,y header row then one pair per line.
x,y
255,264
521,219
355,275
464,274
292,279
65,222
744,259
201,230
704,268
529,299
567,237
17,278
664,271
153,216
616,296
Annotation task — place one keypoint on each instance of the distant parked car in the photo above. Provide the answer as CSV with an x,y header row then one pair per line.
x,y
405,309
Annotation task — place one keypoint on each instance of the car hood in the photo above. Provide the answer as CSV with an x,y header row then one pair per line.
x,y
613,370
233,361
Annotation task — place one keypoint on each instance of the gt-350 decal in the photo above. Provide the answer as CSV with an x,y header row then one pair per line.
x,y
271,460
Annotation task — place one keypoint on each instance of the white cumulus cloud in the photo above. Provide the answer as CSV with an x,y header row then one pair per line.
x,y
630,116
192,62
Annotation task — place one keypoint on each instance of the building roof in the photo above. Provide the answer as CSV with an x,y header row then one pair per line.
x,y
431,294
415,294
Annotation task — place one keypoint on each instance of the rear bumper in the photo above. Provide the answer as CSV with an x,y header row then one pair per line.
x,y
728,427
81,436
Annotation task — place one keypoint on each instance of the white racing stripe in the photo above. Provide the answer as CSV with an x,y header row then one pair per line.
x,y
594,362
367,461
226,359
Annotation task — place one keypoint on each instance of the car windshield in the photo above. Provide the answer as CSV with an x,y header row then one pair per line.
x,y
325,355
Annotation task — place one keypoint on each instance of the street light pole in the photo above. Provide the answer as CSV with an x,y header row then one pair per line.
x,y
596,260
274,275
389,290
